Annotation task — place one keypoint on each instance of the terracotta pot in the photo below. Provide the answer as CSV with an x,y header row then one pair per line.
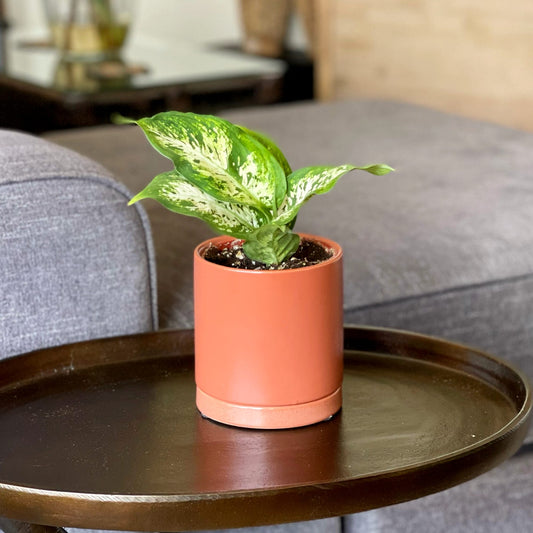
x,y
268,344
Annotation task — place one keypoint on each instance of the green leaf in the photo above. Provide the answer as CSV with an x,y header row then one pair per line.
x,y
176,193
117,118
305,183
218,157
309,181
377,170
271,146
271,244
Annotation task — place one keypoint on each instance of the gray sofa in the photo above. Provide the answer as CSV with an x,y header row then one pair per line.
x,y
75,262
442,246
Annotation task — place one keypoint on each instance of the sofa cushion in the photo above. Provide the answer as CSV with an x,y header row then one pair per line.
x,y
75,262
496,502
442,246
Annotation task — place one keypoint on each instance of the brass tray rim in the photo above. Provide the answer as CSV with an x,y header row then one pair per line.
x,y
518,424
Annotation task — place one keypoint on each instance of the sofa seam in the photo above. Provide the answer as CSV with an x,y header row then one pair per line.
x,y
442,292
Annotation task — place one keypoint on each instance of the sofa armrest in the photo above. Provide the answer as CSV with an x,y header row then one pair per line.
x,y
75,262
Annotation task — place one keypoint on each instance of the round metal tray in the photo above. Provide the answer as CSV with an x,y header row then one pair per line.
x,y
105,435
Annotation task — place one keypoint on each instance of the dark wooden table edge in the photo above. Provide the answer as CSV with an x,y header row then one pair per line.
x,y
155,513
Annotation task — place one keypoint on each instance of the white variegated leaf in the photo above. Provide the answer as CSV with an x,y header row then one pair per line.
x,y
176,193
272,147
305,183
220,158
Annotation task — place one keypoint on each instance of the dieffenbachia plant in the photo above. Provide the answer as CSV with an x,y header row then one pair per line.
x,y
235,179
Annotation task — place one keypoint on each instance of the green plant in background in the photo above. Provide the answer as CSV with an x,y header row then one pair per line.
x,y
103,11
88,27
112,32
235,179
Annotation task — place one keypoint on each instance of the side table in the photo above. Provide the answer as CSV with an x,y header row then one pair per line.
x,y
104,434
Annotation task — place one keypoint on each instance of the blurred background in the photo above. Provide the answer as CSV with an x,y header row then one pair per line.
x,y
68,63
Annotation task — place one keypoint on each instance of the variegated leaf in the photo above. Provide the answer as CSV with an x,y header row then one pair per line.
x,y
178,194
306,182
271,146
219,157
271,244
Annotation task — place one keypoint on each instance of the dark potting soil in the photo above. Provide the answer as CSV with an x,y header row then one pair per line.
x,y
308,253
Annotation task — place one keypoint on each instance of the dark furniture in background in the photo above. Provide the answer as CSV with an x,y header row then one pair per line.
x,y
40,92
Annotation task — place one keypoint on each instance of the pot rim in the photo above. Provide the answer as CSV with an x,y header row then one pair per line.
x,y
330,244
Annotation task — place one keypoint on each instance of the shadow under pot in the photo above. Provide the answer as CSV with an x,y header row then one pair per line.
x,y
268,343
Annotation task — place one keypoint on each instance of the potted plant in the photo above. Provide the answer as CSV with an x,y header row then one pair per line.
x,y
268,301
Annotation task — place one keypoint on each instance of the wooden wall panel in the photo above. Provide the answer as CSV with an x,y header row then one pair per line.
x,y
473,57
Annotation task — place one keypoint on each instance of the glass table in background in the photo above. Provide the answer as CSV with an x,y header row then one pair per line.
x,y
40,90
